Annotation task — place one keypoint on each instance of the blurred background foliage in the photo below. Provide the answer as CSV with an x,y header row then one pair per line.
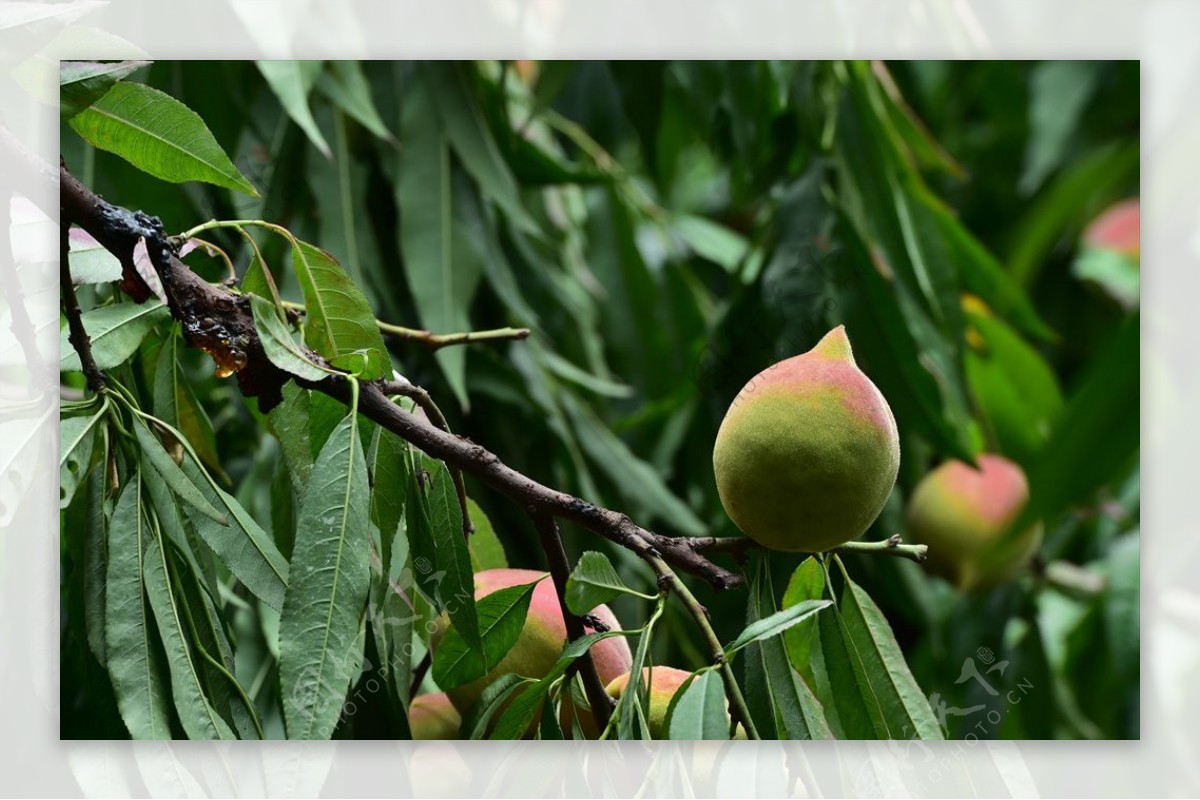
x,y
667,230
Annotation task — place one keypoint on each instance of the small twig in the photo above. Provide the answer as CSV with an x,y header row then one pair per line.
x,y
436,341
560,569
737,703
232,277
77,333
738,545
1070,579
418,676
406,388
890,546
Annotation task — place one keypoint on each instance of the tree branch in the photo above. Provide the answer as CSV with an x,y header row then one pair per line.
x,y
560,569
77,335
220,322
406,388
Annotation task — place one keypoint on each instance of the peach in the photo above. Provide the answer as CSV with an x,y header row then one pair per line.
x,y
433,716
664,683
542,638
961,512
808,451
1119,227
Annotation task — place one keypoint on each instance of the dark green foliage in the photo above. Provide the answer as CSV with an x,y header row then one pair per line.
x,y
665,230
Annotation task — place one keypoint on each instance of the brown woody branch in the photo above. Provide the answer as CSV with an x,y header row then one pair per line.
x,y
77,334
560,570
220,322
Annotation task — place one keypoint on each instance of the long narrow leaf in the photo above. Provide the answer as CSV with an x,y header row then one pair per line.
x,y
132,652
159,135
327,588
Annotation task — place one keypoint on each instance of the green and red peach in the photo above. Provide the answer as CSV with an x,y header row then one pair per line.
x,y
808,451
961,513
664,682
433,716
1119,228
542,638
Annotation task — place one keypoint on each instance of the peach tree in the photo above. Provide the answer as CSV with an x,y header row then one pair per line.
x,y
586,400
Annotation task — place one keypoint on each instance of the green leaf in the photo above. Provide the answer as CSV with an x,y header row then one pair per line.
x,y
516,719
115,332
451,555
1118,275
568,371
172,475
630,711
711,241
338,321
594,582
806,583
779,700
81,83
884,344
278,344
699,711
983,275
487,551
158,135
90,261
96,559
344,83
175,403
1068,202
476,721
389,463
501,619
290,424
1015,389
327,588
641,482
775,624
291,81
132,652
242,545
1059,93
879,662
442,270
197,715
1070,467
448,84
76,435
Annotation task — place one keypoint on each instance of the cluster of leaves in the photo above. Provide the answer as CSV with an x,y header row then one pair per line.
x,y
666,230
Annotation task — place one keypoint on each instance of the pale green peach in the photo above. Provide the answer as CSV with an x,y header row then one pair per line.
x,y
542,638
808,451
433,716
961,512
664,683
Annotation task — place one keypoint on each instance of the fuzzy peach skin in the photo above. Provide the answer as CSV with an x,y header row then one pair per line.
x,y
542,639
808,451
664,683
960,512
1119,227
433,716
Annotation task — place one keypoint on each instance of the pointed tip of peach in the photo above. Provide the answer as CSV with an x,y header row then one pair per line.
x,y
835,344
